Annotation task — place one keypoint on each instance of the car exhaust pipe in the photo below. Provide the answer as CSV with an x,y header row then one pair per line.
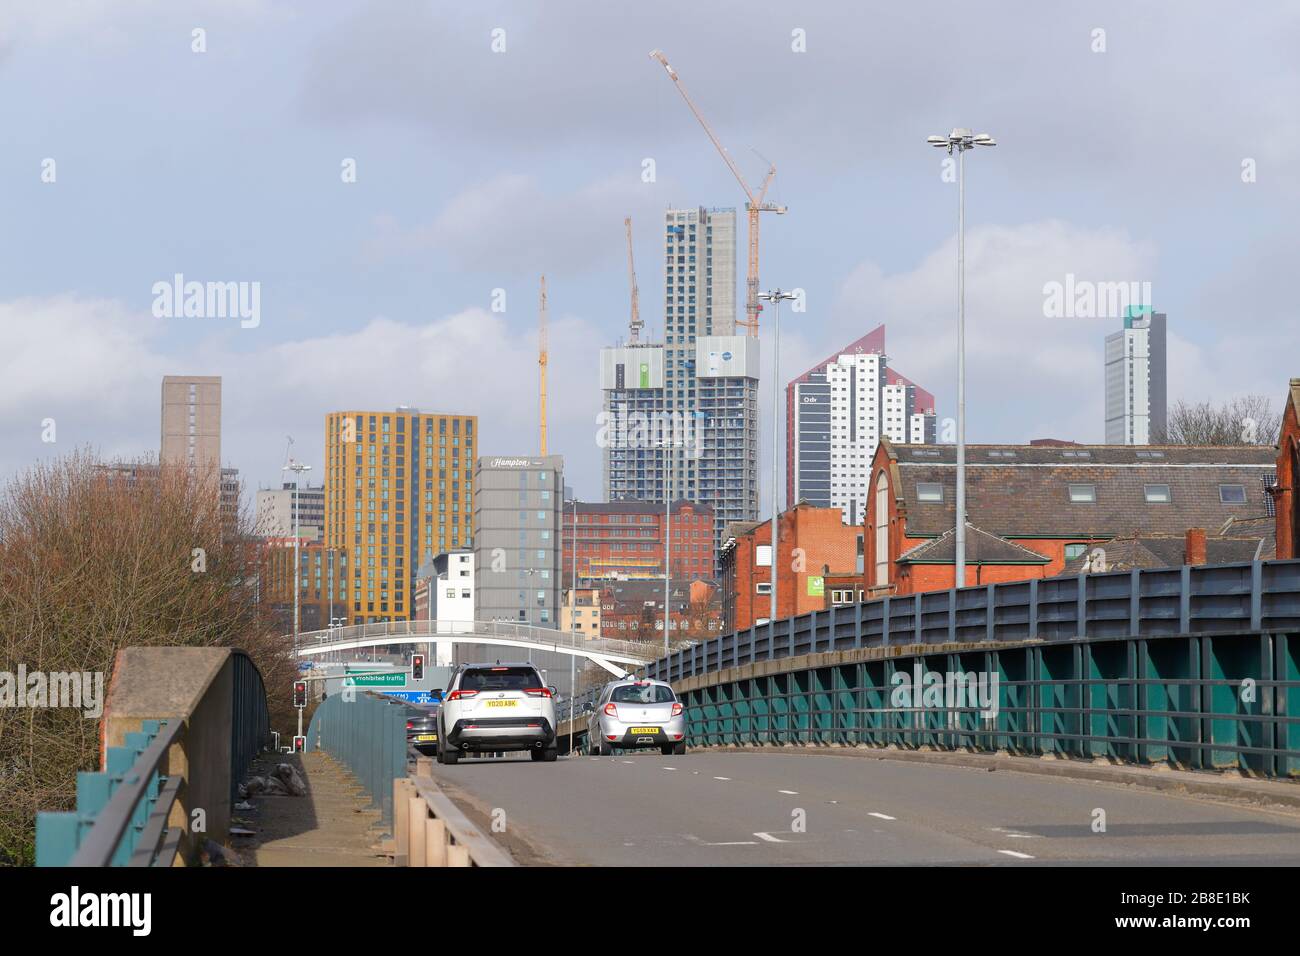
x,y
537,744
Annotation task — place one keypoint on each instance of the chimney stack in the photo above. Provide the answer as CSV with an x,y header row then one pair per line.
x,y
1195,547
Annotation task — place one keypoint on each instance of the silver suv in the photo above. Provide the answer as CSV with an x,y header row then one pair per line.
x,y
495,707
633,713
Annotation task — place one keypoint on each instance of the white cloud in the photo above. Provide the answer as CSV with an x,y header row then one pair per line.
x,y
512,223
1024,371
96,368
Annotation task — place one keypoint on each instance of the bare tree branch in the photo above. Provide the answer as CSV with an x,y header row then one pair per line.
x,y
1248,420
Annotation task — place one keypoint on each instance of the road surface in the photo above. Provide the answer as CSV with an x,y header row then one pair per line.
x,y
717,808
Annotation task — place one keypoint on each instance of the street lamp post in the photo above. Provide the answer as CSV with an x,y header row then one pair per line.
x,y
573,594
297,468
961,140
668,530
776,296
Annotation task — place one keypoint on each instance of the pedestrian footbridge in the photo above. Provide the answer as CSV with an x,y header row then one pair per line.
x,y
617,657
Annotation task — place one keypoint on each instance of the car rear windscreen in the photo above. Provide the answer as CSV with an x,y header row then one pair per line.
x,y
500,678
649,694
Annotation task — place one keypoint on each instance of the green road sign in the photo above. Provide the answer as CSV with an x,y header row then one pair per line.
x,y
393,679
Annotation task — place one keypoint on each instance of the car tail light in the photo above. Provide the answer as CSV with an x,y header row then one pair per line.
x,y
537,691
611,711
410,725
462,694
677,709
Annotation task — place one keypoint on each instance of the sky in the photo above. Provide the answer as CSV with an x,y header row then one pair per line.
x,y
495,142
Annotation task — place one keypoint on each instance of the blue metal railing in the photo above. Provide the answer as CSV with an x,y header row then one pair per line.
x,y
1262,596
121,815
367,733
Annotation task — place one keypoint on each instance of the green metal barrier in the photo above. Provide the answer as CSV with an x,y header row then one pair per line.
x,y
367,733
1213,702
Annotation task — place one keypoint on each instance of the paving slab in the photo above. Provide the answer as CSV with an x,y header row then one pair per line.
x,y
331,826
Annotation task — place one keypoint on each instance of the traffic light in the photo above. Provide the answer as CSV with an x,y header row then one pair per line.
x,y
300,693
299,744
417,667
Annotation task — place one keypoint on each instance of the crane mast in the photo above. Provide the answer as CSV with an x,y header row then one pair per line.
x,y
541,362
756,201
634,324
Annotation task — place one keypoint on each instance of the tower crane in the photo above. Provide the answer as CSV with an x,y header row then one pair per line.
x,y
634,325
541,362
756,201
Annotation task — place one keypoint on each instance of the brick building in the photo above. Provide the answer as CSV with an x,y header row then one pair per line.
x,y
1032,509
813,544
634,610
324,581
624,539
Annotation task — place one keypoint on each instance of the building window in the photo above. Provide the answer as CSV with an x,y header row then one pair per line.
x,y
929,491
1156,494
1083,493
1073,551
1232,494
763,587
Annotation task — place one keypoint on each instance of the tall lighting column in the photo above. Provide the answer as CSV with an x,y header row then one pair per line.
x,y
297,468
960,140
776,297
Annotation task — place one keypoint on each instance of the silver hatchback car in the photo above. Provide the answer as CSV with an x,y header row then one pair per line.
x,y
632,713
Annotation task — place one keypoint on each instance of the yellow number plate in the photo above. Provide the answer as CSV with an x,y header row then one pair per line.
x,y
642,731
426,736
501,703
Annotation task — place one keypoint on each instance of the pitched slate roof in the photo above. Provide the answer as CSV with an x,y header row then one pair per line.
x,y
981,548
1170,551
1023,490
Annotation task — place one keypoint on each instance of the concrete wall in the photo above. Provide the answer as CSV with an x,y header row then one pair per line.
x,y
196,685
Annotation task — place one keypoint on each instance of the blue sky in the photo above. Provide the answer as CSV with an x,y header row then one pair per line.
x,y
479,170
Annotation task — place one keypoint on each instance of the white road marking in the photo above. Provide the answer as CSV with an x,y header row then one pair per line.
x,y
627,761
882,816
718,778
694,839
669,768
793,793
1012,834
1018,856
769,838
